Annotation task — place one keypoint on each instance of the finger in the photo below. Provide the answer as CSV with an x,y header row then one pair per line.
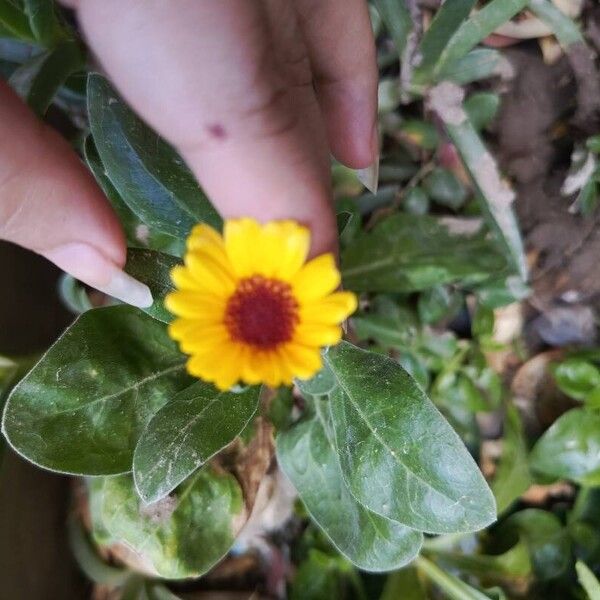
x,y
342,51
204,75
50,204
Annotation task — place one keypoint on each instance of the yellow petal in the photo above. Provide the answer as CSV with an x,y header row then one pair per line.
x,y
303,361
332,309
211,338
203,235
286,372
181,328
195,305
271,372
242,241
229,372
183,280
209,244
316,278
317,334
209,275
284,246
203,365
252,366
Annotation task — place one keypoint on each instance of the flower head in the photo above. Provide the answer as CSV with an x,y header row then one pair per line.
x,y
249,306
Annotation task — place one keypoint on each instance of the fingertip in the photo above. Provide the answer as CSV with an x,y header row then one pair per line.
x,y
89,265
351,121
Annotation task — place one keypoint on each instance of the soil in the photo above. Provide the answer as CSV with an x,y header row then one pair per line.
x,y
536,130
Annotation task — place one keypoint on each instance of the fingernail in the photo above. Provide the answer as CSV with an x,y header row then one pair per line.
x,y
89,265
369,177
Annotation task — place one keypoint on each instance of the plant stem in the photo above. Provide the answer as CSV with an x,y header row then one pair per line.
x,y
451,585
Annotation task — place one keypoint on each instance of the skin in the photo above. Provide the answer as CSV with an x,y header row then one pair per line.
x,y
254,94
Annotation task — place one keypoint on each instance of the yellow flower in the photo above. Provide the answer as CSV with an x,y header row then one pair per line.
x,y
249,306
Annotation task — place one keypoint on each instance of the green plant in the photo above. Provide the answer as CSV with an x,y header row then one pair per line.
x,y
372,444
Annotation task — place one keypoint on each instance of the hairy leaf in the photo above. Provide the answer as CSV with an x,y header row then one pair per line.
x,y
512,476
399,457
138,234
148,174
373,543
82,408
42,20
447,20
407,253
570,449
186,433
182,536
154,269
38,80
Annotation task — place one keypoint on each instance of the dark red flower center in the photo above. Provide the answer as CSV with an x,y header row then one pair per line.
x,y
262,312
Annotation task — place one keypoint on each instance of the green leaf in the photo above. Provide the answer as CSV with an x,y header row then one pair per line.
x,y
588,580
496,293
281,407
444,187
146,171
563,27
404,584
322,577
570,449
38,80
546,539
477,28
512,475
73,294
416,201
320,385
138,234
407,253
88,559
373,543
397,20
343,220
512,564
437,303
81,409
387,323
577,378
183,535
593,144
481,108
480,63
444,25
483,322
42,20
421,133
588,197
15,21
186,433
399,457
153,269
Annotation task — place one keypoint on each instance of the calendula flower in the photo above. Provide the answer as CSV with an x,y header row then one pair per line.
x,y
249,306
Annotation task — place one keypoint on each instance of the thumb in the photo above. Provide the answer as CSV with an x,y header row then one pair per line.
x,y
50,204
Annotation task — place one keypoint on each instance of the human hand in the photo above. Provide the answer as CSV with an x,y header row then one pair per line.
x,y
254,94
